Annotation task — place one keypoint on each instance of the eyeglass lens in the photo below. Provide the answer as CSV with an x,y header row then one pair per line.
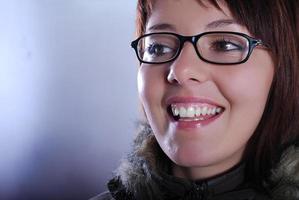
x,y
214,47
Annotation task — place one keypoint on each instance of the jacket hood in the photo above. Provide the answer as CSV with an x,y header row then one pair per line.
x,y
146,168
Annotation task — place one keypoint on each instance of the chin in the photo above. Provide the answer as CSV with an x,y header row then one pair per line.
x,y
192,157
205,162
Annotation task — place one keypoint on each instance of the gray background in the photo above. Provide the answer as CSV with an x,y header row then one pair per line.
x,y
68,99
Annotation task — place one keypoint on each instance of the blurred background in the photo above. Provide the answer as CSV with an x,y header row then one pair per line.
x,y
68,96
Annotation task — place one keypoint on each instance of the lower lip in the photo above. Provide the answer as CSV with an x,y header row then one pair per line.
x,y
195,124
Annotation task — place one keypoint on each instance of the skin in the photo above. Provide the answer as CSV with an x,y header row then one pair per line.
x,y
203,151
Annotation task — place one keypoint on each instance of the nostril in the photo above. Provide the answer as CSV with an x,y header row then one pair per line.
x,y
171,78
172,81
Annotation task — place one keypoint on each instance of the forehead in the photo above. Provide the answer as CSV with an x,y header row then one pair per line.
x,y
187,16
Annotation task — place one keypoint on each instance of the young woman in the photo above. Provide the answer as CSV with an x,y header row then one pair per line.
x,y
218,82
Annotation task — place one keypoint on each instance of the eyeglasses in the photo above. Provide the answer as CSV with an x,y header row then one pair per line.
x,y
221,47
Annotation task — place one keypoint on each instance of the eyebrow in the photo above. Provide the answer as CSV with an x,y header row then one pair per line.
x,y
221,23
162,26
212,25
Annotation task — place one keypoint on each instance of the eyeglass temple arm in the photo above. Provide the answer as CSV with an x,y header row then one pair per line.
x,y
261,44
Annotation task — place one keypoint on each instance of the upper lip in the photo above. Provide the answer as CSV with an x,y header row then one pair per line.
x,y
191,99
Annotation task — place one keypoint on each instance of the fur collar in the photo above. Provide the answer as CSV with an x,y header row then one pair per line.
x,y
144,167
286,175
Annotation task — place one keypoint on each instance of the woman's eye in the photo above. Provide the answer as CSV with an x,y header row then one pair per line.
x,y
158,49
224,45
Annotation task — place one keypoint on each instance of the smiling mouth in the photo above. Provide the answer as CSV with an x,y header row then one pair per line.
x,y
193,112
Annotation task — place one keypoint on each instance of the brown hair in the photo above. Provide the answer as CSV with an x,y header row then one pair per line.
x,y
276,23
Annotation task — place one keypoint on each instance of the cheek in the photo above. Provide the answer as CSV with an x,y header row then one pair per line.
x,y
247,89
250,83
142,89
150,87
140,82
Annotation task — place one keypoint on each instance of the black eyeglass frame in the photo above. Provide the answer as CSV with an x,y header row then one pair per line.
x,y
253,42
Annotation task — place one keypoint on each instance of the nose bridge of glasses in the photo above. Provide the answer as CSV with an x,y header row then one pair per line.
x,y
186,68
191,39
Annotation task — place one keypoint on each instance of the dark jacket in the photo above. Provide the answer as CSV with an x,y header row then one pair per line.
x,y
144,175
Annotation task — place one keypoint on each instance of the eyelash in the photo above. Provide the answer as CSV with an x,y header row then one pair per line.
x,y
155,45
227,41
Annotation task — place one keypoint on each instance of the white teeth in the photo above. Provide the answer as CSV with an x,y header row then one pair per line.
x,y
194,111
183,112
198,111
213,111
218,110
177,112
190,112
204,111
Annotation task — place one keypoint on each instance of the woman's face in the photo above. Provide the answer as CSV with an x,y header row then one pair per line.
x,y
202,146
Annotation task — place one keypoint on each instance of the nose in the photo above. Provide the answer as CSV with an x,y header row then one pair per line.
x,y
188,68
